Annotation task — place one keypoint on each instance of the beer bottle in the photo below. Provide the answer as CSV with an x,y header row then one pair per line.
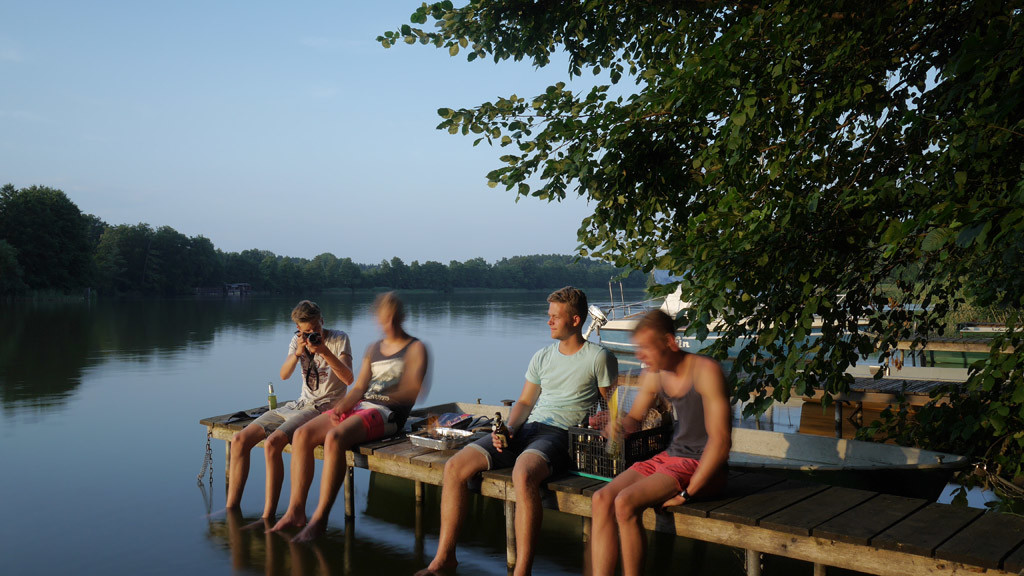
x,y
271,397
500,430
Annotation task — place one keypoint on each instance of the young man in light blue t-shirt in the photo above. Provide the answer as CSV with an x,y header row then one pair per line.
x,y
562,382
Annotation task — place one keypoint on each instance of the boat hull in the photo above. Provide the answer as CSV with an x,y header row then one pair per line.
x,y
872,466
924,484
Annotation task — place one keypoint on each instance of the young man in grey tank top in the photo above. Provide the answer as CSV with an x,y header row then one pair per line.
x,y
695,462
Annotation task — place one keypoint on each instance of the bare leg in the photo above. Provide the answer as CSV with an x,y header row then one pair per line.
x,y
241,445
272,449
629,506
304,442
604,531
342,437
530,470
460,468
239,550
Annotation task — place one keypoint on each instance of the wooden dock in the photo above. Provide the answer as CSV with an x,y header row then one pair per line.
x,y
762,514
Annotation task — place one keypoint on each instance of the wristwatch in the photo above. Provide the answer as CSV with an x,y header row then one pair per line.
x,y
685,495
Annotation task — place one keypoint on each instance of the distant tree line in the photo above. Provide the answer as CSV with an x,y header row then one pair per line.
x,y
48,244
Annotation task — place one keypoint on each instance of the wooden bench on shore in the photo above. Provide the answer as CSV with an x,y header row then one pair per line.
x,y
762,514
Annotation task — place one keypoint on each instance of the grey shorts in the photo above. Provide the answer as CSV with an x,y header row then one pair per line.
x,y
549,442
287,418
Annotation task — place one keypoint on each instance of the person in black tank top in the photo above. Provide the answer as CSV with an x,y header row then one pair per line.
x,y
376,406
694,463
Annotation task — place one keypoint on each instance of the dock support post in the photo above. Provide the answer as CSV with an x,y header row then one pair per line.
x,y
227,463
819,569
587,523
418,534
510,534
753,563
419,492
350,493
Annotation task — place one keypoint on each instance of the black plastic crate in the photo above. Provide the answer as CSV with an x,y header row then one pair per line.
x,y
589,453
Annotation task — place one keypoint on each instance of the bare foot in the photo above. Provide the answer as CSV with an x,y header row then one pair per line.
x,y
435,568
221,512
312,531
290,520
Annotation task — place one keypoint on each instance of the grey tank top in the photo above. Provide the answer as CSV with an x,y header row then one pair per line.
x,y
690,435
385,375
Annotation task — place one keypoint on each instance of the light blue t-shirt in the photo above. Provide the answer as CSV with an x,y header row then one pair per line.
x,y
568,384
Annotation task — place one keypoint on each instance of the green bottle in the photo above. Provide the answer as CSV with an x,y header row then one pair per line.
x,y
271,398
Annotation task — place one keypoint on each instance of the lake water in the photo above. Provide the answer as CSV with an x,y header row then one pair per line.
x,y
100,442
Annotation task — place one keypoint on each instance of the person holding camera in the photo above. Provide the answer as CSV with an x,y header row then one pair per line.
x,y
325,360
376,406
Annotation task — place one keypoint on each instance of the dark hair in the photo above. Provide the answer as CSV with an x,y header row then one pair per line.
x,y
657,321
574,298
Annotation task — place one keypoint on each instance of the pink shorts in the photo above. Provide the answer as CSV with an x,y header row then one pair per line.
x,y
679,469
372,419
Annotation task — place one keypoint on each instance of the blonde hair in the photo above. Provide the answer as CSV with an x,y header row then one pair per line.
x,y
390,302
574,298
306,311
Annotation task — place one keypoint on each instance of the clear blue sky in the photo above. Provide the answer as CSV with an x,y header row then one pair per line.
x,y
273,125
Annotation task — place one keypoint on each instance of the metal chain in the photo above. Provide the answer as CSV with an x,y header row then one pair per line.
x,y
207,460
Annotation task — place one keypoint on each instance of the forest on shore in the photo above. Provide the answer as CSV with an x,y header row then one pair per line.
x,y
48,245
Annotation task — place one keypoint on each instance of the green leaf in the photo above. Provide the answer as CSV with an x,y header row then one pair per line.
x,y
935,239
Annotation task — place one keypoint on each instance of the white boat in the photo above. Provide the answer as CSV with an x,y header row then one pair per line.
x,y
614,324
869,465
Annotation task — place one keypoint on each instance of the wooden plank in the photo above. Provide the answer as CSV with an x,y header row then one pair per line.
x,y
924,530
435,458
497,488
749,509
801,517
403,452
368,447
1014,563
986,541
738,487
861,523
393,467
953,345
575,504
500,474
816,550
571,484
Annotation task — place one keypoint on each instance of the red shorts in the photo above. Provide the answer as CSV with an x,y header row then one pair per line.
x,y
372,419
679,469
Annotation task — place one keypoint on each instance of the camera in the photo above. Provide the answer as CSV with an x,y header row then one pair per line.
x,y
314,338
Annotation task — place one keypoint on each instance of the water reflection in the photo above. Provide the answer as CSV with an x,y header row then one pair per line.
x,y
48,346
396,535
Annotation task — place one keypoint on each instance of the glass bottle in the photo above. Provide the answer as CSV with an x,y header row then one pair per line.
x,y
500,430
271,397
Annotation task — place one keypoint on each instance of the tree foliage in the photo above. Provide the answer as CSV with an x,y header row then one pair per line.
x,y
797,161
49,235
140,260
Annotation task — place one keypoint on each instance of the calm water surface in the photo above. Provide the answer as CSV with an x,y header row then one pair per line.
x,y
100,442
